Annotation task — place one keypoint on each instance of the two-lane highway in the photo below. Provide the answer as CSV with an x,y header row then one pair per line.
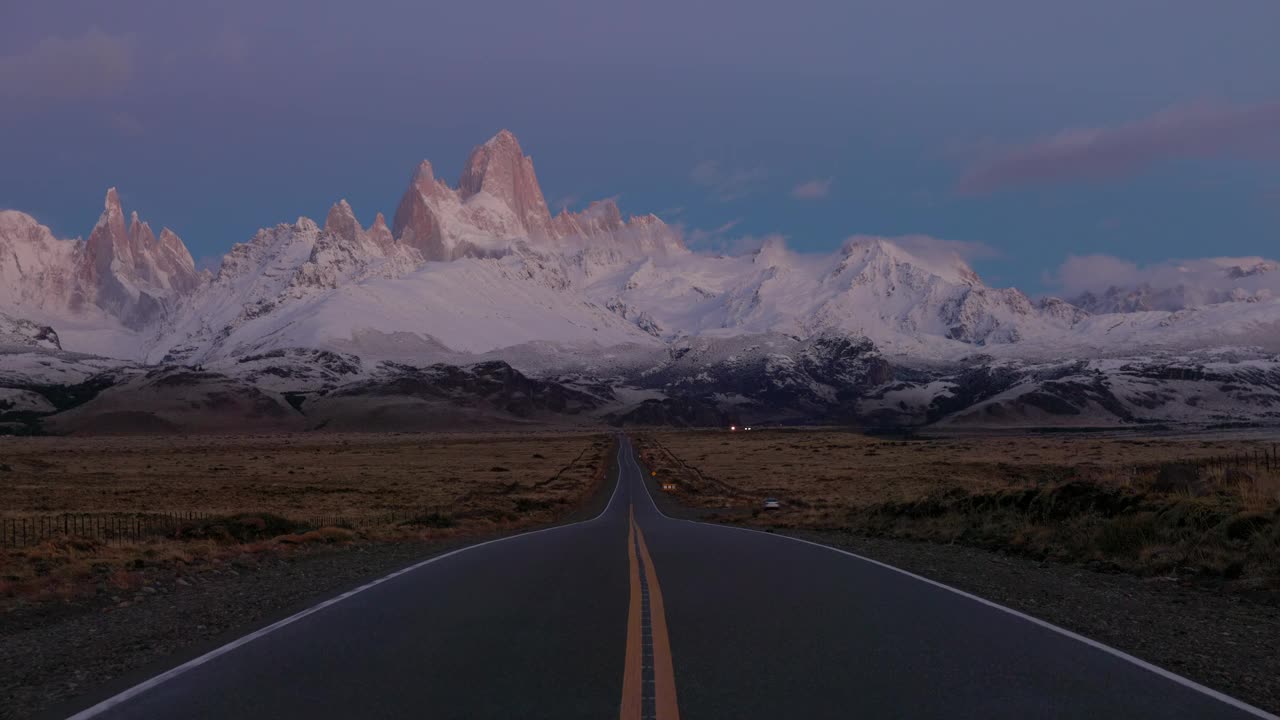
x,y
636,615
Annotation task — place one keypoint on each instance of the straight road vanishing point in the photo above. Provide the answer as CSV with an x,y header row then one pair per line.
x,y
636,615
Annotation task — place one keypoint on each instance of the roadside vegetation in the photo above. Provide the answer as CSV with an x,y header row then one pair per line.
x,y
113,521
1196,509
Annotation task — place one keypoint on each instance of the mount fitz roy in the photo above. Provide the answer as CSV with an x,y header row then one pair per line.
x,y
476,305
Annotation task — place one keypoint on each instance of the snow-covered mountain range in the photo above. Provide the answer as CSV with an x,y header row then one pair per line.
x,y
481,272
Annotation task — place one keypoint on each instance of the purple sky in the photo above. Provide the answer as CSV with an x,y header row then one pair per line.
x,y
1144,130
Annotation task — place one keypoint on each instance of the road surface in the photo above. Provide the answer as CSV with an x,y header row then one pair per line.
x,y
636,615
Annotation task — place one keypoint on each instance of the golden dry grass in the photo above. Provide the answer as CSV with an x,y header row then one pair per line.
x,y
836,469
1157,505
453,484
295,476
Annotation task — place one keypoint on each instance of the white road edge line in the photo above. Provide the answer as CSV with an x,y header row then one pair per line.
x,y
1185,682
164,677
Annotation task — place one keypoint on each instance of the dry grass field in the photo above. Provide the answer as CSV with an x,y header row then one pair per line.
x,y
1201,506
266,495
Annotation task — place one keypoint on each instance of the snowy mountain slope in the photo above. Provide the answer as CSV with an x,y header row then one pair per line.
x,y
751,379
37,270
1188,284
470,305
17,332
1203,388
871,288
99,293
279,391
481,271
472,269
563,290
263,281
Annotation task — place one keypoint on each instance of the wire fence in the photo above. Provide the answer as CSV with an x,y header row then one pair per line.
x,y
118,528
1259,459
102,527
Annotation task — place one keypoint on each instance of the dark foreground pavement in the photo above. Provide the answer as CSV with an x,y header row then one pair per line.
x,y
543,625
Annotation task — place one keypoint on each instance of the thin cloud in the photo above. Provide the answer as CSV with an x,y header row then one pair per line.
x,y
753,243
715,239
725,184
93,65
932,248
812,190
1169,284
727,226
1094,154
566,202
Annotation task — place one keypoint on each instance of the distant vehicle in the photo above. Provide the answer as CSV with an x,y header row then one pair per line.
x,y
771,504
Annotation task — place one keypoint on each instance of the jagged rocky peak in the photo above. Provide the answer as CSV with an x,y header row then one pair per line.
x,y
140,234
425,176
877,254
418,222
109,239
379,233
498,202
500,168
428,185
341,221
128,272
600,215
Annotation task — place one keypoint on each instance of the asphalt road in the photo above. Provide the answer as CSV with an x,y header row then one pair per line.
x,y
636,615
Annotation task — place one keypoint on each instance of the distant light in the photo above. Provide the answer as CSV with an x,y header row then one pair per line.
x,y
732,428
748,428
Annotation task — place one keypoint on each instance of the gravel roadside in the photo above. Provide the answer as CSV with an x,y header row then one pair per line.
x,y
1224,642
61,653
55,657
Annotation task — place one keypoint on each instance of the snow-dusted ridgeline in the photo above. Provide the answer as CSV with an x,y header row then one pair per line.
x,y
482,272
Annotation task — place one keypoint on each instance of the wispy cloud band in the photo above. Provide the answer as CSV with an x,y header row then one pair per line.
x,y
93,65
1086,154
727,184
813,190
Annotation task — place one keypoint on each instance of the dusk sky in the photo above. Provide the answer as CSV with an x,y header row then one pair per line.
x,y
1029,132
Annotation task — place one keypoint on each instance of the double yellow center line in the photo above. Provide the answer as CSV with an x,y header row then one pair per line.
x,y
648,678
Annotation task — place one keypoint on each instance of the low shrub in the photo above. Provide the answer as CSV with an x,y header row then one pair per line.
x,y
1210,534
239,528
431,520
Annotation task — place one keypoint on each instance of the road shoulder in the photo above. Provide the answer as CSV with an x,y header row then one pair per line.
x,y
1217,640
57,661
1224,641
